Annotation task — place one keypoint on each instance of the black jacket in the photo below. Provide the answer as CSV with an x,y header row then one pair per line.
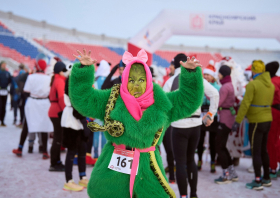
x,y
108,83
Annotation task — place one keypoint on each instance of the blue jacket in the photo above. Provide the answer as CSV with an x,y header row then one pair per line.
x,y
5,79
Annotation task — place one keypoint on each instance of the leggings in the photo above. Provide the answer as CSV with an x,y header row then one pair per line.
x,y
15,106
221,142
167,143
24,133
81,150
57,139
185,141
258,133
3,102
212,140
89,142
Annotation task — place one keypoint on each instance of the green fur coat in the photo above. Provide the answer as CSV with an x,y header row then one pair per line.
x,y
168,107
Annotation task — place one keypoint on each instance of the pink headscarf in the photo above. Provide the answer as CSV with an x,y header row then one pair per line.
x,y
136,106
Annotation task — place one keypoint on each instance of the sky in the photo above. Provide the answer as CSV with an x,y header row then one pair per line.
x,y
124,18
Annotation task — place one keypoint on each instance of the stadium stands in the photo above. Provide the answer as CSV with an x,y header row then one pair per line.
x,y
68,49
4,29
13,54
20,45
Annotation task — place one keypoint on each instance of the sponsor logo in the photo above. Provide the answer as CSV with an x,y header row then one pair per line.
x,y
197,21
111,167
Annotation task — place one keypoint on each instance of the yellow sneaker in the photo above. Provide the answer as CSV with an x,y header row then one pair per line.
x,y
83,182
71,186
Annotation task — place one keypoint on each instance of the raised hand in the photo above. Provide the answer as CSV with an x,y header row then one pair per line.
x,y
191,63
85,58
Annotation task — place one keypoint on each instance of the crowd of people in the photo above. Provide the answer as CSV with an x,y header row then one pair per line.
x,y
69,103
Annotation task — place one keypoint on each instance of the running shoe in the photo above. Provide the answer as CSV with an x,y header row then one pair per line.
x,y
90,160
17,152
254,185
213,168
19,125
278,173
273,176
171,181
57,168
3,125
266,182
45,156
199,164
72,186
232,174
84,182
222,180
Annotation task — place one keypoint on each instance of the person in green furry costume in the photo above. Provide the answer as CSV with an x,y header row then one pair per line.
x,y
141,112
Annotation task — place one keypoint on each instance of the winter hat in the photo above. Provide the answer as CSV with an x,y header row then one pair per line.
x,y
58,67
225,70
41,65
121,64
210,69
258,66
178,58
272,68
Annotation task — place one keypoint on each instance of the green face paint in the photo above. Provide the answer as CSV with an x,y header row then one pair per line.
x,y
137,80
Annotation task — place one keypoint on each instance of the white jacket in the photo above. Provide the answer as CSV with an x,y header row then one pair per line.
x,y
210,91
67,119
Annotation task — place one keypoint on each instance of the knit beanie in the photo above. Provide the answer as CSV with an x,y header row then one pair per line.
x,y
272,68
58,67
41,65
178,58
258,66
225,70
121,64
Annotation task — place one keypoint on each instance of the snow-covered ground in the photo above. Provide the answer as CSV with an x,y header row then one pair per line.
x,y
29,176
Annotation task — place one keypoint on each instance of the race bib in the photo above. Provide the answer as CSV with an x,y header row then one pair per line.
x,y
121,161
3,92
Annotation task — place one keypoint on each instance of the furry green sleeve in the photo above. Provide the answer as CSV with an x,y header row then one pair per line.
x,y
85,99
188,98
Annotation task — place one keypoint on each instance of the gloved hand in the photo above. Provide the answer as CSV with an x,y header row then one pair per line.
x,y
235,127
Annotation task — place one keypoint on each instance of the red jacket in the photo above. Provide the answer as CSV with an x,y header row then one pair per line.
x,y
276,81
57,96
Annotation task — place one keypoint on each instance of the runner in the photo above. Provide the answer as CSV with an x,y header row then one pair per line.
x,y
55,112
137,113
36,108
209,75
186,133
227,113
